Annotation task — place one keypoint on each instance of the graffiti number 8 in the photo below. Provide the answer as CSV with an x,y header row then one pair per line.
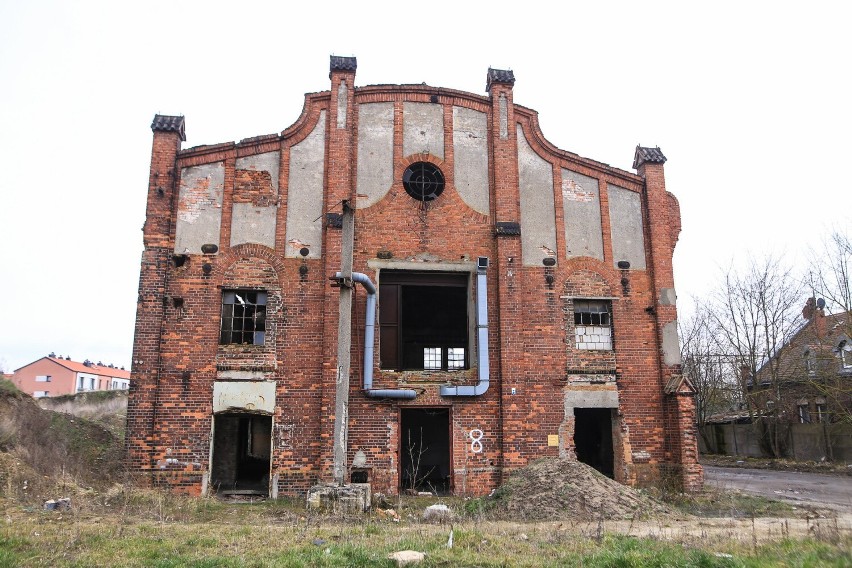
x,y
476,441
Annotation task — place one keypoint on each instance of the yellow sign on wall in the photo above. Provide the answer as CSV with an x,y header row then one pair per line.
x,y
553,439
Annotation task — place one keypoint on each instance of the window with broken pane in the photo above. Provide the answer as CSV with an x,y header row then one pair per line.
x,y
593,324
243,317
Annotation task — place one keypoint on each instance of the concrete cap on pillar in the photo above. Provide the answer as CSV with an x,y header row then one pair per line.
x,y
164,123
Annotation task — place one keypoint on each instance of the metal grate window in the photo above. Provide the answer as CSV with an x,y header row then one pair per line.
x,y
432,357
243,317
423,181
455,358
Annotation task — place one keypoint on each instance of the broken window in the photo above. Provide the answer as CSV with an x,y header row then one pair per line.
x,y
592,324
845,351
243,317
804,414
423,318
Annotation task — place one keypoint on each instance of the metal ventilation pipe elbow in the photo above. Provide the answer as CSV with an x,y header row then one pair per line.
x,y
484,372
369,340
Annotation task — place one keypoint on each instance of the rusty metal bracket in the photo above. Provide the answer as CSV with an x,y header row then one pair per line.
x,y
341,282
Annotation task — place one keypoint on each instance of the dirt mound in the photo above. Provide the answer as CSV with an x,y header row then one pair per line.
x,y
41,447
554,488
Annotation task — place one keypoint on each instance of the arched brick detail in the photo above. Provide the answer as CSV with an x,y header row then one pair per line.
x,y
225,266
590,284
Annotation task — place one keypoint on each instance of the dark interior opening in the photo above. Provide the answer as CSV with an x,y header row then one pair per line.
x,y
423,319
241,453
425,450
593,438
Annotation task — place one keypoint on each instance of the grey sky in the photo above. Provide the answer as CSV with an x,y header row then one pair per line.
x,y
750,102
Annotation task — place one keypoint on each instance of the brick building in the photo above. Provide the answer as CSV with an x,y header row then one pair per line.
x,y
508,300
809,380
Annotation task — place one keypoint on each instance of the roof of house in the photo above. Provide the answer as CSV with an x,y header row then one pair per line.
x,y
91,368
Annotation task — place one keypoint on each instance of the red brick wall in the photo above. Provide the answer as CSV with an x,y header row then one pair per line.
x,y
531,340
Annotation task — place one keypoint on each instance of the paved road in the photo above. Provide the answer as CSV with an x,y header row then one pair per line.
x,y
816,489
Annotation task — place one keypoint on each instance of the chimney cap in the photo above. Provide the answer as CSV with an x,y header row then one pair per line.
x,y
645,155
505,76
339,63
165,123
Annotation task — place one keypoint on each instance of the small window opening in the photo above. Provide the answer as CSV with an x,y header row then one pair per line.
x,y
423,320
177,303
804,414
809,362
845,350
179,260
423,181
822,413
592,324
243,317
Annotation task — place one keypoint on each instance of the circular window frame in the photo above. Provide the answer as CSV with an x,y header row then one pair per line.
x,y
421,177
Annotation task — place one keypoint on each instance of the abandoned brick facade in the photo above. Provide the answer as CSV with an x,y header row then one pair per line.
x,y
525,301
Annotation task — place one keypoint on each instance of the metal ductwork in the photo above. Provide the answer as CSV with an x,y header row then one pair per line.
x,y
369,340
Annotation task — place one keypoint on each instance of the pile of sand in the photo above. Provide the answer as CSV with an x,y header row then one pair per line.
x,y
554,488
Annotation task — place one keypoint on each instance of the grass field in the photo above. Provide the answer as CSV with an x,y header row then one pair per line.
x,y
147,528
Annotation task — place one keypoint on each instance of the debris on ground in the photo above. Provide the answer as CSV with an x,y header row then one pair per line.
x,y
438,514
559,488
406,557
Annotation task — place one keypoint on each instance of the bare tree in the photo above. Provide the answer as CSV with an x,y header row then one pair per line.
x,y
707,368
755,312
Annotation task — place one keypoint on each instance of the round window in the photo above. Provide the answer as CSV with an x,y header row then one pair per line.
x,y
423,181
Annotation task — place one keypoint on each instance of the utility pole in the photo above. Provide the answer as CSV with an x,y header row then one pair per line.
x,y
344,345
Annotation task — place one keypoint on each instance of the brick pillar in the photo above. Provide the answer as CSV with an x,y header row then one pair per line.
x,y
157,240
663,230
340,186
506,213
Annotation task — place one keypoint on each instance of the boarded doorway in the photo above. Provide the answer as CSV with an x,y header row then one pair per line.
x,y
425,450
241,450
593,438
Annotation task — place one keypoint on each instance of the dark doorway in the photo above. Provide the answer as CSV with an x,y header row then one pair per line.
x,y
425,450
241,448
593,438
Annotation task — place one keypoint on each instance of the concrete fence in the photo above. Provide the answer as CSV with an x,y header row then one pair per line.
x,y
801,442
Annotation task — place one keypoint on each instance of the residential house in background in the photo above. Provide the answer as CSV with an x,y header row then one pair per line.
x,y
54,376
809,381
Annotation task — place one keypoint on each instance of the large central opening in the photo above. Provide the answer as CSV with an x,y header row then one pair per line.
x,y
423,318
593,438
241,453
425,450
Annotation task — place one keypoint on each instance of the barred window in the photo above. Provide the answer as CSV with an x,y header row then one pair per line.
x,y
243,317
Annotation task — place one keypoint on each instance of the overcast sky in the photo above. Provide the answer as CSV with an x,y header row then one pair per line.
x,y
749,101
